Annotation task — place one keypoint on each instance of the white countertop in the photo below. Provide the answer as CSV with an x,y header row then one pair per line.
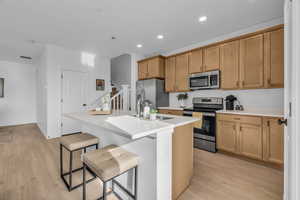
x,y
254,112
125,124
170,108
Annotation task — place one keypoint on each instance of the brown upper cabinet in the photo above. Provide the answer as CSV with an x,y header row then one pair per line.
x,y
196,61
177,73
182,73
229,65
170,74
152,68
211,58
274,59
252,62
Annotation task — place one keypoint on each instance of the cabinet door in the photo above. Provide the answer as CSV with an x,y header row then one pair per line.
x,y
182,73
229,64
170,74
212,58
273,141
250,140
196,61
143,70
274,59
227,136
252,62
156,68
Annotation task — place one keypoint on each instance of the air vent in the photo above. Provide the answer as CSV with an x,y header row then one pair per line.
x,y
26,57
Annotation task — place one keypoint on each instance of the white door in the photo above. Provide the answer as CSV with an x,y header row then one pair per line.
x,y
74,92
291,98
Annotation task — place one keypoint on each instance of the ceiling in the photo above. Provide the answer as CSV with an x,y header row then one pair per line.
x,y
90,24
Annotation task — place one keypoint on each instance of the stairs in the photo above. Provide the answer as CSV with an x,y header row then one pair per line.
x,y
117,100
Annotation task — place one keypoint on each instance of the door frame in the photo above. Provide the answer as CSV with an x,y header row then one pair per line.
x,y
61,92
292,95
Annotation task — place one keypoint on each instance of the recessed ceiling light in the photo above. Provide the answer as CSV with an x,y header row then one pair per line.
x,y
203,19
160,37
139,46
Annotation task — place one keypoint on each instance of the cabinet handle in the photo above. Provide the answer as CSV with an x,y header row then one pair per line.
x,y
269,82
237,118
243,83
268,123
241,129
237,83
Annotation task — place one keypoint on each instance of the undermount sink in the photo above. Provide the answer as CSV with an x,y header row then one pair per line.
x,y
164,118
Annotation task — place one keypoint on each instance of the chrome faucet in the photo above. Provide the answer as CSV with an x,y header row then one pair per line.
x,y
139,104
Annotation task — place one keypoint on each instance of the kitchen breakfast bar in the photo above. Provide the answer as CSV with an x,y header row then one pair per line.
x,y
150,140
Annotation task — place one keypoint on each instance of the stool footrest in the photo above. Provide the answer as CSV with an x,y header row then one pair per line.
x,y
123,188
76,186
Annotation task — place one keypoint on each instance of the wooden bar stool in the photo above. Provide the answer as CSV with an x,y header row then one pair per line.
x,y
74,143
109,163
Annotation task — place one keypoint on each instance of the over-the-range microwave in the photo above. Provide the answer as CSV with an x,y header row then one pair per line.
x,y
205,80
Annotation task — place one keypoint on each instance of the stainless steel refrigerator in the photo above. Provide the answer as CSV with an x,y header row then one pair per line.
x,y
154,91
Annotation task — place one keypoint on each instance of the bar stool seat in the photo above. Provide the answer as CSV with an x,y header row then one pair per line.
x,y
109,163
74,143
77,141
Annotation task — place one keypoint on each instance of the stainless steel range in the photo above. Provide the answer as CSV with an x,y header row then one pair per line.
x,y
205,135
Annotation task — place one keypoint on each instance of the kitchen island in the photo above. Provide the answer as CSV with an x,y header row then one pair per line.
x,y
151,140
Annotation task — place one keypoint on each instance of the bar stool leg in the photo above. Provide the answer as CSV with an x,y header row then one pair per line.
x,y
135,182
61,160
84,183
70,175
104,190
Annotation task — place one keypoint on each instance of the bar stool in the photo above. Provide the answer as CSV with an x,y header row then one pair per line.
x,y
109,163
74,143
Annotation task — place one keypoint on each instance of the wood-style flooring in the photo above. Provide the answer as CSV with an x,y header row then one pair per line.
x,y
29,170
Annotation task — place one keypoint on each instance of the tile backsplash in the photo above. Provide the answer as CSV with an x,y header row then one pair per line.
x,y
267,99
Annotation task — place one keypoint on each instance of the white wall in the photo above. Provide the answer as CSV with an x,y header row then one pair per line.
x,y
260,99
56,59
121,70
19,103
41,90
264,99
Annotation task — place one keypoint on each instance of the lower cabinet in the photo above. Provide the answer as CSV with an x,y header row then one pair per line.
x,y
227,136
250,140
273,140
170,112
260,138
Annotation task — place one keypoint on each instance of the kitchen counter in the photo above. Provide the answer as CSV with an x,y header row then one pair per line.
x,y
254,112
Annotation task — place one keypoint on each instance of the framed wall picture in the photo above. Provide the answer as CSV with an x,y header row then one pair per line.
x,y
1,87
100,84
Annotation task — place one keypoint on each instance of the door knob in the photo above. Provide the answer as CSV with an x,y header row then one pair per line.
x,y
282,121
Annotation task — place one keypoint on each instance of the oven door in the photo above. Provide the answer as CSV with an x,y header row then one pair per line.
x,y
199,82
208,130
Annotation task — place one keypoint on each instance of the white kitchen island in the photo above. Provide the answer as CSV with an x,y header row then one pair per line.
x,y
151,140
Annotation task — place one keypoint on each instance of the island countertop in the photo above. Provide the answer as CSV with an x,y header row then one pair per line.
x,y
125,124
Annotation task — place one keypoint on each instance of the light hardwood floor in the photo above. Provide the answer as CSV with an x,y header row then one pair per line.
x,y
29,170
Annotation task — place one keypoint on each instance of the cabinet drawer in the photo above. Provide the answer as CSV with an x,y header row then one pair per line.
x,y
170,112
240,118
